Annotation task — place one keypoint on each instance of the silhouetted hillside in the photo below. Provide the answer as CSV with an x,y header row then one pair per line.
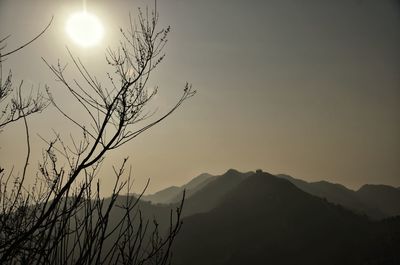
x,y
145,215
194,186
199,180
268,220
212,193
375,201
383,197
148,211
338,194
258,218
174,194
163,196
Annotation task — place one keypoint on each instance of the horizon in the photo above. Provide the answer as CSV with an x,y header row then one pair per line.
x,y
265,171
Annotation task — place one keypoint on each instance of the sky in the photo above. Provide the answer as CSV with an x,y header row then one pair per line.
x,y
308,88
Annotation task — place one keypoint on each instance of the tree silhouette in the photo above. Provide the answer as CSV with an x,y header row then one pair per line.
x,y
17,107
62,219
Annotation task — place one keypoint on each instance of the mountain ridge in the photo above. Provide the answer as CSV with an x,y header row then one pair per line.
x,y
363,201
268,219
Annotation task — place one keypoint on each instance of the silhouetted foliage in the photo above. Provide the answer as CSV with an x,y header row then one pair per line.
x,y
17,106
62,219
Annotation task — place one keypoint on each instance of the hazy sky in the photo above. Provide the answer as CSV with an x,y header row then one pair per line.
x,y
309,88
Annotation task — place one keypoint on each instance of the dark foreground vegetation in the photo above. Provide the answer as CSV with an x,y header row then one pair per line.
x,y
60,218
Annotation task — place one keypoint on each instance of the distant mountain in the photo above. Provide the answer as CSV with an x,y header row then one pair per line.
x,y
163,196
148,211
212,193
143,215
194,186
174,194
339,194
199,180
268,220
375,201
258,218
383,197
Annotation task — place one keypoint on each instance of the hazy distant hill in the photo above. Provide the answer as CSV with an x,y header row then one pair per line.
x,y
197,181
173,194
268,220
375,201
258,218
383,197
339,194
212,193
149,211
163,196
194,186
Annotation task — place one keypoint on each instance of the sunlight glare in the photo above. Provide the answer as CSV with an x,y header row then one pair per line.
x,y
85,29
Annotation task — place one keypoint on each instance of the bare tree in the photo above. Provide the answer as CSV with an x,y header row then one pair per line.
x,y
17,107
62,219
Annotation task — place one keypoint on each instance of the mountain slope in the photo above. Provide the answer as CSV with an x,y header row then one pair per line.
x,y
338,194
268,220
383,197
174,194
194,186
163,196
199,180
212,193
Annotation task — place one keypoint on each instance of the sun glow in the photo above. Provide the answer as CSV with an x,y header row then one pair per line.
x,y
85,29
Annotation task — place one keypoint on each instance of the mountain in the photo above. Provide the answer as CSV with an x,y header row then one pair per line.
x,y
383,197
163,196
339,194
174,194
258,218
202,192
212,193
194,186
148,211
198,181
375,201
268,220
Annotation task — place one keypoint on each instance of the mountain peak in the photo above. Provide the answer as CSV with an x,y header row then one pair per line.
x,y
259,186
231,171
196,181
368,187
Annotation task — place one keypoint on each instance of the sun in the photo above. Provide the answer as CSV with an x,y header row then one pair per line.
x,y
85,29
